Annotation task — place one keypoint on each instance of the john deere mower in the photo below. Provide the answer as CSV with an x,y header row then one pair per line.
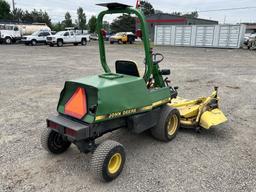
x,y
94,105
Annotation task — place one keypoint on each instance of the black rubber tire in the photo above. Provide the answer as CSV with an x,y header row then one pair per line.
x,y
119,41
101,158
160,131
60,43
53,142
84,42
33,42
8,40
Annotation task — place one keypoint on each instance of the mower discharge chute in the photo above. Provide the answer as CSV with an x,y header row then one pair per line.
x,y
94,105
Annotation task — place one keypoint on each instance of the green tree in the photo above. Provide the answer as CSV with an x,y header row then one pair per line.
x,y
92,24
68,21
45,18
123,23
4,10
17,14
81,21
58,26
106,26
147,8
176,13
27,16
193,14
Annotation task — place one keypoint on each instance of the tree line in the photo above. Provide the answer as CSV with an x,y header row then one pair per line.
x,y
123,23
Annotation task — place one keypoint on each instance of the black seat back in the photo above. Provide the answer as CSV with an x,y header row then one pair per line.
x,y
127,68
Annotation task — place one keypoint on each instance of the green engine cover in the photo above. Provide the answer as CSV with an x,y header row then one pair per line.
x,y
113,96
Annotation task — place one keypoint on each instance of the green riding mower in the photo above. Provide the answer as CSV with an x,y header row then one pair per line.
x,y
94,105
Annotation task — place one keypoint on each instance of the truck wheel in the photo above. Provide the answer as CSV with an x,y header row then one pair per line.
x,y
108,160
53,142
119,41
131,41
84,42
33,42
8,40
168,124
59,43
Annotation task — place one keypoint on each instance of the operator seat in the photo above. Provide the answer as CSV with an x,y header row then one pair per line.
x,y
127,68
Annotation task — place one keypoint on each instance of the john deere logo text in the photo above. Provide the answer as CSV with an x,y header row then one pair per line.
x,y
126,112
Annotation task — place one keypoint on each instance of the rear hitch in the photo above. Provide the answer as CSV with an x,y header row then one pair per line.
x,y
86,146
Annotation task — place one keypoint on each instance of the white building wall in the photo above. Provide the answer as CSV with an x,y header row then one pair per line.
x,y
219,36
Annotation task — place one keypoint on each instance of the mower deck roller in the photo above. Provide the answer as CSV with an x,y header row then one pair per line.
x,y
92,106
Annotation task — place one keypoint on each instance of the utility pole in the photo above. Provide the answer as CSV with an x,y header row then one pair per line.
x,y
13,5
225,19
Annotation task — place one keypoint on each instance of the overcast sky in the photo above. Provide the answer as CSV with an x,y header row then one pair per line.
x,y
57,8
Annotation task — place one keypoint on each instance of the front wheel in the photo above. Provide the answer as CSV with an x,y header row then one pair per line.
x,y
108,160
53,142
168,124
8,40
33,42
59,43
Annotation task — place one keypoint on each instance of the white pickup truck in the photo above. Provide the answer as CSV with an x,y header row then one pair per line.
x,y
67,37
36,37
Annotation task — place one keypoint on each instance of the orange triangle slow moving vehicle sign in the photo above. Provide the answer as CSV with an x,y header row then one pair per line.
x,y
76,106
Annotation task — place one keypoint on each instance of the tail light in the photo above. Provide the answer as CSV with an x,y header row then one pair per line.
x,y
67,131
76,105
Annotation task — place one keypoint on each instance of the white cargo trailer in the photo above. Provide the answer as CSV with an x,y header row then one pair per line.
x,y
218,36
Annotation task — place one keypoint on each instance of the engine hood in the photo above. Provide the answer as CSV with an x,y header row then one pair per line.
x,y
102,97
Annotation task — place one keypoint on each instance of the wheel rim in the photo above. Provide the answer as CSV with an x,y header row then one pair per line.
x,y
172,125
8,41
115,163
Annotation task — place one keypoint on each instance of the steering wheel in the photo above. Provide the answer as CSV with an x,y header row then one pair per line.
x,y
155,58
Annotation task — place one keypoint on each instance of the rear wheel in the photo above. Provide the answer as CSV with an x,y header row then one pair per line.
x,y
108,160
83,42
53,142
168,124
8,40
119,41
131,40
59,43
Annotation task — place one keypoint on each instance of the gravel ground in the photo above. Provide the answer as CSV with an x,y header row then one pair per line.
x,y
221,159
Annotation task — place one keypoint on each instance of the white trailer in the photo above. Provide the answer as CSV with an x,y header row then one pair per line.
x,y
218,36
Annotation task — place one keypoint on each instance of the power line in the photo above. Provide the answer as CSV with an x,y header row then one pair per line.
x,y
227,9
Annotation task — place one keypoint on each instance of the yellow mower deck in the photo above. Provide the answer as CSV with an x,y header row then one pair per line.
x,y
199,112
